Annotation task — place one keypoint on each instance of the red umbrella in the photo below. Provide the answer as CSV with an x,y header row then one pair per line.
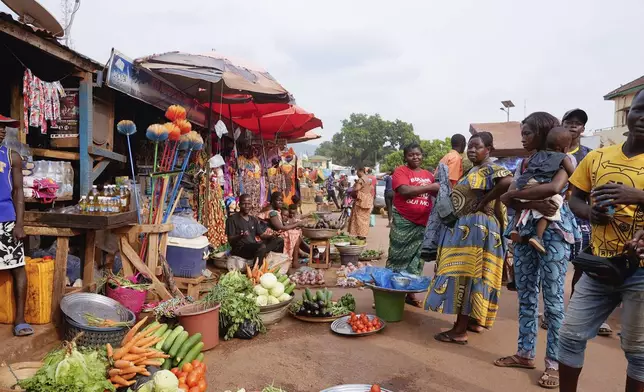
x,y
288,122
234,106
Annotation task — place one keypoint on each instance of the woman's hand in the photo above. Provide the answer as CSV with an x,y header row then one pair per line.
x,y
546,207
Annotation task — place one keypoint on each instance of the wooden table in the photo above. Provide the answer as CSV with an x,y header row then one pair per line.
x,y
326,244
64,226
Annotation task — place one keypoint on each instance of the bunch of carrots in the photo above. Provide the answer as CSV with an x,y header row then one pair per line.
x,y
256,272
135,354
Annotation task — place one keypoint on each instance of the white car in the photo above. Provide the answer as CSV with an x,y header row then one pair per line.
x,y
379,201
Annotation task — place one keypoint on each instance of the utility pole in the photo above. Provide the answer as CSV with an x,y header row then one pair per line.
x,y
506,108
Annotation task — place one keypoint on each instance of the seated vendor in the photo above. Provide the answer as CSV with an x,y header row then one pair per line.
x,y
243,231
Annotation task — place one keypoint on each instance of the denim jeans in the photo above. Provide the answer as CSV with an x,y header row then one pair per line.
x,y
589,307
532,271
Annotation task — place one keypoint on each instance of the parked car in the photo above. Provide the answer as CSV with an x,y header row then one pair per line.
x,y
379,201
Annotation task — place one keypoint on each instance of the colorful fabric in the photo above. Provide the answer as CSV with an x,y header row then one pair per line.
x,y
359,221
603,166
291,237
471,254
417,208
580,153
454,163
434,224
405,242
12,254
533,270
364,198
542,167
41,102
7,210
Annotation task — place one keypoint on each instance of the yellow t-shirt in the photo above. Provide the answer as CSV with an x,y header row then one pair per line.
x,y
610,165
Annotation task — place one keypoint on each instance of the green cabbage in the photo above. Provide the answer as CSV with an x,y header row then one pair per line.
x,y
272,300
284,297
268,281
165,381
277,290
259,290
262,300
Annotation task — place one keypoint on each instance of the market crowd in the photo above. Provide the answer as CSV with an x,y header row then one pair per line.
x,y
564,205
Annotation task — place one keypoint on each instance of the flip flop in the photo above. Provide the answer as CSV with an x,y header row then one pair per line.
x,y
23,329
545,377
445,338
605,330
413,302
516,363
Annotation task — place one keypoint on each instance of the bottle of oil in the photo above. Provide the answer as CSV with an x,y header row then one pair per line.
x,y
83,205
124,193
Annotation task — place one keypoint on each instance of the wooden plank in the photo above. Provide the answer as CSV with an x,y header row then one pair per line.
x,y
97,151
80,221
138,229
152,257
128,269
163,244
98,169
157,285
60,272
32,200
45,153
86,112
90,254
48,46
17,103
51,231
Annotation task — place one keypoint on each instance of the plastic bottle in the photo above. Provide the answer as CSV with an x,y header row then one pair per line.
x,y
125,198
83,205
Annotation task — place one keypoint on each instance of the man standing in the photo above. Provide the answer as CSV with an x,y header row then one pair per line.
x,y
454,160
330,190
609,177
243,230
12,209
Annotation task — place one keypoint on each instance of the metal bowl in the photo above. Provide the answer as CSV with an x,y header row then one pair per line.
x,y
400,282
352,388
319,234
341,326
75,306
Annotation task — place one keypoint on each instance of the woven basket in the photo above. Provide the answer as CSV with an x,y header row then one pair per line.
x,y
319,234
94,336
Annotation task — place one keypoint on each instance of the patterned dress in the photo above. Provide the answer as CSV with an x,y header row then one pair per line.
x,y
360,214
471,253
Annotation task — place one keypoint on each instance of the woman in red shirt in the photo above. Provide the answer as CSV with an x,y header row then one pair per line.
x,y
412,205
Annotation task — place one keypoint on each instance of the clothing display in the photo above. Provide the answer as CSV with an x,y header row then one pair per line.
x,y
41,102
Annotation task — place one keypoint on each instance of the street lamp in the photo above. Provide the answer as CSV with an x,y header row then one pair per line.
x,y
506,107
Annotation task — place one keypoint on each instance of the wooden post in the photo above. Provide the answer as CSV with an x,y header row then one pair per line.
x,y
17,103
60,272
85,123
90,254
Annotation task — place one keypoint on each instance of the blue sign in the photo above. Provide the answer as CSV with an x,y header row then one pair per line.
x,y
140,83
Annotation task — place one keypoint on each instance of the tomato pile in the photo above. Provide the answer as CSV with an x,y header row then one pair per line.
x,y
361,323
375,388
192,376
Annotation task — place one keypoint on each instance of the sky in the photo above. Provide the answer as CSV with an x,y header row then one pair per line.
x,y
439,65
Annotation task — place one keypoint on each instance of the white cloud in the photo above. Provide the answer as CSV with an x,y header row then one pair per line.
x,y
439,65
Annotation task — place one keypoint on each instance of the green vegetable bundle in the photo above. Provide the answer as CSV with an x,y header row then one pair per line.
x,y
178,344
236,282
71,370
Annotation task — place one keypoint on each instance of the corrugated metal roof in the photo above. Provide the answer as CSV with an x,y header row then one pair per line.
x,y
630,87
42,33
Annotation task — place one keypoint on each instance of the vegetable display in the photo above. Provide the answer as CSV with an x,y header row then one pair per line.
x,y
191,376
343,274
255,274
320,304
273,289
179,346
308,276
71,370
163,381
323,222
362,324
371,254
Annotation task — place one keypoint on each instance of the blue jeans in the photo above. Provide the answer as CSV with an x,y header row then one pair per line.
x,y
532,271
589,307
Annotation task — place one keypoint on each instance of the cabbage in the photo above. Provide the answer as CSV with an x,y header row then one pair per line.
x,y
284,297
165,381
277,290
259,290
262,300
272,300
268,281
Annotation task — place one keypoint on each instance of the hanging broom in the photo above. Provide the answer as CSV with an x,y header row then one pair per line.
x,y
127,128
195,144
156,133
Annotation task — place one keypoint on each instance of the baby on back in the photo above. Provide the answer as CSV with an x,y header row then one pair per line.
x,y
542,168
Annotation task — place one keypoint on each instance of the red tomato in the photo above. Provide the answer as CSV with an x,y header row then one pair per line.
x,y
202,385
184,387
175,371
194,389
182,380
195,363
182,374
193,379
375,388
187,368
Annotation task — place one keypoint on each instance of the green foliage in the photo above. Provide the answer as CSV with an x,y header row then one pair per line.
x,y
433,150
367,139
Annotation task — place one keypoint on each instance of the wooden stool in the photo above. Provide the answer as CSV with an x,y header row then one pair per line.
x,y
327,250
191,285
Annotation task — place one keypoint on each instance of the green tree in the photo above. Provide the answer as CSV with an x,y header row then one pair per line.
x,y
433,151
365,140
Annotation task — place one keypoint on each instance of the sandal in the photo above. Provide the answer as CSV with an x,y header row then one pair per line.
x,y
549,379
543,323
413,302
605,330
514,361
445,338
23,329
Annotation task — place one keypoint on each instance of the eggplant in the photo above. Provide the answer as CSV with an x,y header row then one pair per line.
x,y
316,313
308,313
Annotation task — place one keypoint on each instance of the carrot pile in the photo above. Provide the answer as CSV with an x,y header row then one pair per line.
x,y
94,321
135,354
256,272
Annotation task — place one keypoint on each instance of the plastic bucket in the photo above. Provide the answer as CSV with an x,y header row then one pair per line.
x,y
130,298
389,306
195,318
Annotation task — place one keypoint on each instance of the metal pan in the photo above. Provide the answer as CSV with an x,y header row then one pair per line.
x,y
352,388
341,327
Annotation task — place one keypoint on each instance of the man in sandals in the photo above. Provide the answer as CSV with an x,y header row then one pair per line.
x,y
12,208
611,177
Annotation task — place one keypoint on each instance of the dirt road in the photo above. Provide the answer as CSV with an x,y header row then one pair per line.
x,y
302,357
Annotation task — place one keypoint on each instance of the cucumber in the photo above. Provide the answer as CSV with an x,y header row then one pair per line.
x,y
192,354
153,324
167,364
181,339
320,296
289,289
159,332
190,343
159,345
170,340
200,357
308,295
282,279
